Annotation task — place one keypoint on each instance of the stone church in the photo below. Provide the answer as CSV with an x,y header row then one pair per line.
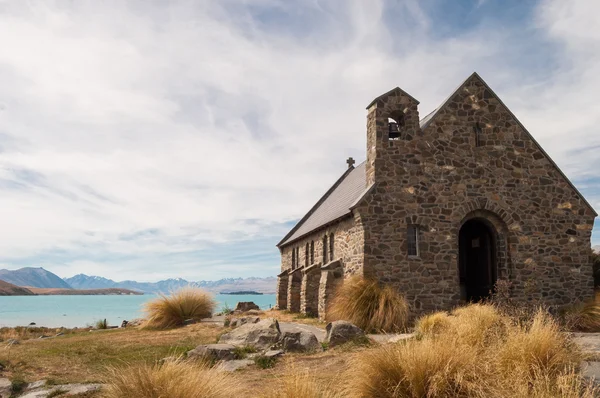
x,y
443,207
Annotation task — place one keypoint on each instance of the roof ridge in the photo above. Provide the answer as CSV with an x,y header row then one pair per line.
x,y
318,204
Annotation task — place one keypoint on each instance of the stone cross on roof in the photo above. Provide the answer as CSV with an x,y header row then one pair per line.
x,y
350,162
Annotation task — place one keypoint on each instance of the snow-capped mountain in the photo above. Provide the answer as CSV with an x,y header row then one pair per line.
x,y
262,285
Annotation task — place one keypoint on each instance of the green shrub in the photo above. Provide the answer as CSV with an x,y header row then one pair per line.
x,y
265,362
101,324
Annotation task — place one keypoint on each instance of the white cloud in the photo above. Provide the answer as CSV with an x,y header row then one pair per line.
x,y
191,118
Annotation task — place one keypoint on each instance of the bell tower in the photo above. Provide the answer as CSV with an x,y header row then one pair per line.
x,y
392,122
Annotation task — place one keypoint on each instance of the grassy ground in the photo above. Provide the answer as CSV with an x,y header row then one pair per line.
x,y
83,356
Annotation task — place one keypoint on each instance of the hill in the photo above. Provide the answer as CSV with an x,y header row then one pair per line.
x,y
262,285
8,289
596,249
34,277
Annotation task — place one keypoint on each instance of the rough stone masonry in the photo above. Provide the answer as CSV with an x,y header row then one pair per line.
x,y
443,208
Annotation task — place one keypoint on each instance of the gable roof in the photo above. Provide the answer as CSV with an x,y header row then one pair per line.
x,y
424,123
347,191
335,204
394,90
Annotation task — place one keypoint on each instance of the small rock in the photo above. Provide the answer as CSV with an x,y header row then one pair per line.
x,y
244,306
273,353
12,342
224,352
300,341
5,387
35,385
124,323
254,312
232,366
235,322
261,335
340,332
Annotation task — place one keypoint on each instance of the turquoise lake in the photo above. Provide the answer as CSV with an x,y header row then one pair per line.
x,y
79,311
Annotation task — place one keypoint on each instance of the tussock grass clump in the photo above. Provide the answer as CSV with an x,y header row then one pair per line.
x,y
538,349
173,379
584,317
418,368
369,305
171,311
431,324
474,352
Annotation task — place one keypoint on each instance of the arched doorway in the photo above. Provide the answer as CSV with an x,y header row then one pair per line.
x,y
478,267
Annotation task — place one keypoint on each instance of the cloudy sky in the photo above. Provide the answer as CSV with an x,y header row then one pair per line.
x,y
156,139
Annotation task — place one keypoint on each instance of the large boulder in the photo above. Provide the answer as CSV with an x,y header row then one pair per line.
x,y
244,306
340,332
261,335
300,341
218,352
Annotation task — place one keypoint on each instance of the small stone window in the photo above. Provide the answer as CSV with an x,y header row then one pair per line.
x,y
412,240
331,245
324,249
293,258
312,252
396,125
478,134
306,256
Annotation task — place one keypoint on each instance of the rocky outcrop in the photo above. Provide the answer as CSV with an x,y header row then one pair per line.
x,y
300,341
340,332
244,306
218,352
236,322
260,335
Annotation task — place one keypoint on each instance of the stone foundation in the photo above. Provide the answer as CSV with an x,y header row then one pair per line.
x,y
332,275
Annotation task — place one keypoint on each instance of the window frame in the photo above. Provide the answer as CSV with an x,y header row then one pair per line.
x,y
413,230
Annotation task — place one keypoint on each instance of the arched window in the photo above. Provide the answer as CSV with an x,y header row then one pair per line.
x,y
312,252
293,258
331,245
324,249
306,255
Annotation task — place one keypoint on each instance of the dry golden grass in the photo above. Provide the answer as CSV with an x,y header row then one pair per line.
x,y
540,348
473,352
418,368
172,379
297,383
171,311
584,317
369,305
434,323
83,356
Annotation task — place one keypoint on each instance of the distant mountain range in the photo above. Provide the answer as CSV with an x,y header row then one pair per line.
x,y
596,248
41,278
34,277
261,285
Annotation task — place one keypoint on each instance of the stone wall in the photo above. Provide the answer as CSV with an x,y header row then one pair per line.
x,y
436,178
348,248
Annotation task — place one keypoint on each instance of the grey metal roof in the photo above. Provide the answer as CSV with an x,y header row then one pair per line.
x,y
335,204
